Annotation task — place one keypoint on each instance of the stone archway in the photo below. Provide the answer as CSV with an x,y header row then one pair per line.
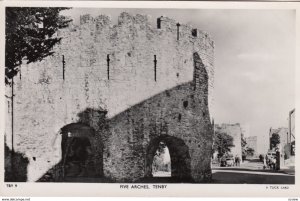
x,y
78,151
179,153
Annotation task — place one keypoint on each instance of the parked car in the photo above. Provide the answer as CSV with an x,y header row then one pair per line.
x,y
229,162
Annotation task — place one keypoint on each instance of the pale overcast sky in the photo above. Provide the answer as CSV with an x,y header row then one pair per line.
x,y
254,62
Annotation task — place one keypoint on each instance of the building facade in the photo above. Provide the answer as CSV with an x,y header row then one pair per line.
x,y
252,143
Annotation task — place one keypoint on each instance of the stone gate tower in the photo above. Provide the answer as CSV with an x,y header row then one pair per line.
x,y
124,88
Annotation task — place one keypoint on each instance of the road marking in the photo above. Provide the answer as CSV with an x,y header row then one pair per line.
x,y
249,172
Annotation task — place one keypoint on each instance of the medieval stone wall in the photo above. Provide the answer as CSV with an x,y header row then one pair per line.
x,y
111,68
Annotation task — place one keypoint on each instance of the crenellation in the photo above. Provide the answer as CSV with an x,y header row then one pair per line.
x,y
87,18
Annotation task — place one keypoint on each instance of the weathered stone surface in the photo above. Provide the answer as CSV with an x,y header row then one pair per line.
x,y
110,68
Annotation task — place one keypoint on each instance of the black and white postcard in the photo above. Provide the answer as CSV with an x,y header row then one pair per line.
x,y
149,98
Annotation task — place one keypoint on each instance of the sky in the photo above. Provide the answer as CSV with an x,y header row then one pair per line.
x,y
254,62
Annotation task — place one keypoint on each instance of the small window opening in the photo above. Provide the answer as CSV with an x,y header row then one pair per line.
x,y
155,62
159,22
107,60
185,104
178,25
63,63
168,94
194,32
179,117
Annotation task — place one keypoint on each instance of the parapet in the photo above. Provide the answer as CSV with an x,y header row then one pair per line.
x,y
163,24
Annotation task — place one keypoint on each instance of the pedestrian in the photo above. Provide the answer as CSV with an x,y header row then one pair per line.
x,y
238,161
223,161
265,163
274,163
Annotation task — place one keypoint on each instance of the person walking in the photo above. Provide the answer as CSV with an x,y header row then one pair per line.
x,y
265,162
238,161
273,163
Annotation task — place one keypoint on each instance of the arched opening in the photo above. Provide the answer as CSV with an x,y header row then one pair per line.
x,y
161,165
78,152
179,155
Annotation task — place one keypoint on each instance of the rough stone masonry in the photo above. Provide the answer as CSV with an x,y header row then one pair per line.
x,y
133,84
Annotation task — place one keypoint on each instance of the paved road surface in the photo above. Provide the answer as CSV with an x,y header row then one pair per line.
x,y
252,172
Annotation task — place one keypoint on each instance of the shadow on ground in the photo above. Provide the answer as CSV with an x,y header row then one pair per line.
x,y
15,166
244,178
249,170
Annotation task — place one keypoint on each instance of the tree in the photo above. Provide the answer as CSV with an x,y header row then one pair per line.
x,y
29,35
159,163
222,143
275,140
244,147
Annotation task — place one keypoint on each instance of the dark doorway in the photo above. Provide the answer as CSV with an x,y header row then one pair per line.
x,y
78,153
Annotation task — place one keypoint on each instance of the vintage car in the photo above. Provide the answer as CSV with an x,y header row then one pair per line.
x,y
227,162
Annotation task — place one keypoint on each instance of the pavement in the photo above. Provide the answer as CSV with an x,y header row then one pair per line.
x,y
288,170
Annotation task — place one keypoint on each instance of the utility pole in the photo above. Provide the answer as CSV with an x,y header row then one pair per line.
x,y
12,114
12,128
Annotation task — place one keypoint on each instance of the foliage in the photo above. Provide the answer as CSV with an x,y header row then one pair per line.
x,y
222,143
244,143
244,147
159,164
275,140
30,35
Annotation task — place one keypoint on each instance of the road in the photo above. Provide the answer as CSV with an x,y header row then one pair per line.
x,y
252,172
249,172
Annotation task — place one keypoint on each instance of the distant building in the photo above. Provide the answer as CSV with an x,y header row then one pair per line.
x,y
252,143
245,130
292,126
287,140
289,148
283,134
235,131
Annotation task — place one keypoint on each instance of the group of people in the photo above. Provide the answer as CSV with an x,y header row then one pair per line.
x,y
237,161
270,163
